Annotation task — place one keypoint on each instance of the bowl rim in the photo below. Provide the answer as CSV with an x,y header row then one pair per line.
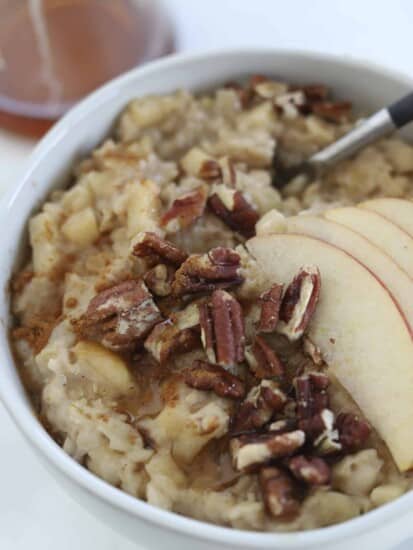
x,y
33,431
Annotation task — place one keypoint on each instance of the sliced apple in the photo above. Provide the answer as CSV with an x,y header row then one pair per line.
x,y
381,232
397,282
397,211
359,330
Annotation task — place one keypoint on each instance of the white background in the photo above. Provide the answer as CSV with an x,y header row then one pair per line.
x,y
34,512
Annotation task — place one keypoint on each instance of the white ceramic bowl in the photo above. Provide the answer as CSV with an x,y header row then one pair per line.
x,y
369,87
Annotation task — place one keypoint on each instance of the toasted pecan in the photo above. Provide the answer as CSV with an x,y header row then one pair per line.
x,y
353,431
207,376
185,210
270,302
251,450
151,247
119,317
222,329
177,334
219,268
310,470
240,215
278,492
299,302
263,360
262,402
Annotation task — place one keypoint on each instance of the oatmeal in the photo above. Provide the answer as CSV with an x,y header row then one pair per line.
x,y
162,353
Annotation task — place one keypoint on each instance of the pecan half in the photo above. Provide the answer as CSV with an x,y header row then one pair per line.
x,y
278,492
311,470
179,333
206,376
120,317
353,431
299,302
263,361
261,403
222,329
155,250
270,302
159,280
252,450
238,214
185,210
220,268
311,395
333,111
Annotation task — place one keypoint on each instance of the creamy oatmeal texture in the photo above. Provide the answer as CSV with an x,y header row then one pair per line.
x,y
154,349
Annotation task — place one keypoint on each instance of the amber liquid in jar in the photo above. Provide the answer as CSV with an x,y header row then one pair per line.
x,y
53,52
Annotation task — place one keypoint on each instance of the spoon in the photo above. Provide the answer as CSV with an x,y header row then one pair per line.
x,y
371,129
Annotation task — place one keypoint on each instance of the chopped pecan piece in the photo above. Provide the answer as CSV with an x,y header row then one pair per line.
x,y
270,301
210,170
311,395
159,280
328,441
120,317
152,248
353,431
222,329
228,173
251,450
311,470
313,92
220,268
206,376
334,111
299,302
283,425
263,361
261,403
278,492
185,210
240,215
179,333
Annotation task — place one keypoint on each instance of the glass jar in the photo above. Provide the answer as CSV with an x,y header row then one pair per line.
x,y
53,52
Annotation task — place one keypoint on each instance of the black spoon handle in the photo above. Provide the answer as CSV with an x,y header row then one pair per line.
x,y
401,111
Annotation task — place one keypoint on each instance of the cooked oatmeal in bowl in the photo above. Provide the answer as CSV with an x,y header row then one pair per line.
x,y
214,345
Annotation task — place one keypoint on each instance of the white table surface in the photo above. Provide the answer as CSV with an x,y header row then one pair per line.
x,y
35,514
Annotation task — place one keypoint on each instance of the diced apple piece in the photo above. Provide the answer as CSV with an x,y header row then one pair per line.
x,y
143,208
81,228
193,161
397,211
398,283
103,366
359,330
391,239
43,239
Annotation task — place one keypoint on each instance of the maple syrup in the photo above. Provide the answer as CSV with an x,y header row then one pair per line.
x,y
53,52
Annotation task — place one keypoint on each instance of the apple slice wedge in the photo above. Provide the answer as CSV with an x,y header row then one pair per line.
x,y
391,239
397,211
397,282
359,330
